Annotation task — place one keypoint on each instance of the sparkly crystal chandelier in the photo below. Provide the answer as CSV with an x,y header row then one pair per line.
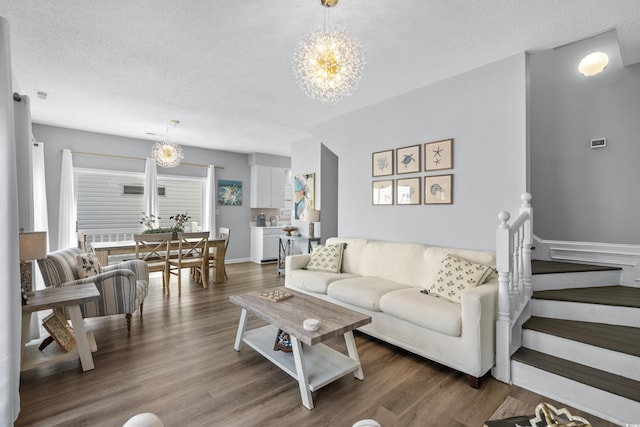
x,y
167,154
328,63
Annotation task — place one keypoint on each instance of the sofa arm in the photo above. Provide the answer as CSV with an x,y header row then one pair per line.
x,y
479,308
117,289
139,267
296,262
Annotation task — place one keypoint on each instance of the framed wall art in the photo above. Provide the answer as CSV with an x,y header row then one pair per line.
x,y
408,191
408,159
382,163
438,155
438,190
304,186
229,193
382,192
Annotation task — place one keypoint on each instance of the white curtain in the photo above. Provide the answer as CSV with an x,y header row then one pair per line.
x,y
67,237
151,191
209,223
40,213
10,312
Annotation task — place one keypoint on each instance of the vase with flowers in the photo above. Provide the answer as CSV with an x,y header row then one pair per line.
x,y
150,222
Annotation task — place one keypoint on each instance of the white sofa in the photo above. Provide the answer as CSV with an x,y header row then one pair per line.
x,y
384,280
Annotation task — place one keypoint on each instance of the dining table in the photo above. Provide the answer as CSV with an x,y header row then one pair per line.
x,y
104,249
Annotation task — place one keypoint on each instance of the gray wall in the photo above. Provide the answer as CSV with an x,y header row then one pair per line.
x,y
484,110
583,194
329,190
236,167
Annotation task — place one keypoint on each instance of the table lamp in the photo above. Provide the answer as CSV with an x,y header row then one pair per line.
x,y
33,246
311,216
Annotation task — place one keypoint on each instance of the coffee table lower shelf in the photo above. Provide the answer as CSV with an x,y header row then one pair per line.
x,y
323,364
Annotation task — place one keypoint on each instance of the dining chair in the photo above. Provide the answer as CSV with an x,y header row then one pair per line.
x,y
154,250
192,253
82,242
223,233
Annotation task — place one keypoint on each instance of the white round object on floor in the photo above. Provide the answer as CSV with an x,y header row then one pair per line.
x,y
146,419
367,423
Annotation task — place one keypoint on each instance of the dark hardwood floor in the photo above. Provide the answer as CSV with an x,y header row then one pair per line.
x,y
179,363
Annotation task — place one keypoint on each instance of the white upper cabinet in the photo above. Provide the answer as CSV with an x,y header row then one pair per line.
x,y
267,186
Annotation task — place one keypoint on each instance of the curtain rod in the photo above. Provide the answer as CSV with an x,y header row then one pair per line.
x,y
84,153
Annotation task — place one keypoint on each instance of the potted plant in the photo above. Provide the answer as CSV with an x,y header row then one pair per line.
x,y
179,221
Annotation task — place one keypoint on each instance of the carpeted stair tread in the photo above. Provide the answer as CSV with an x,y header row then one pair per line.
x,y
556,267
596,378
621,296
623,339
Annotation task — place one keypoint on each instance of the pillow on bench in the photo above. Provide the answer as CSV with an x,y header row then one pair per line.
x,y
326,258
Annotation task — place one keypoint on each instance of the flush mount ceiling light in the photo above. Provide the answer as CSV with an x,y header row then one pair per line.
x,y
593,64
167,154
328,63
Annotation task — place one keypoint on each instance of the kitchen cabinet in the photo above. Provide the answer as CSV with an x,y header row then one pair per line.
x,y
267,186
264,244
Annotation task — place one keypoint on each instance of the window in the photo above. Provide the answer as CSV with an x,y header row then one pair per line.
x,y
110,203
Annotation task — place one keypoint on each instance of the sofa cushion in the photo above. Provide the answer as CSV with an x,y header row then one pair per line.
x,y
399,262
314,281
363,292
457,275
87,265
423,310
326,258
352,254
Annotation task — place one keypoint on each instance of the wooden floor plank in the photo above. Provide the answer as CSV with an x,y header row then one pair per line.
x,y
179,363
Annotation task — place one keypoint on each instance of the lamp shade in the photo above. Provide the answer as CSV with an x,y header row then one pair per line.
x,y
312,216
33,245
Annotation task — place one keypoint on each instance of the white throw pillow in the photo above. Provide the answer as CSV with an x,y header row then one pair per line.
x,y
457,275
326,258
87,265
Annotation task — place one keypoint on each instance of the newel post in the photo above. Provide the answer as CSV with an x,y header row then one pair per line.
x,y
504,248
527,243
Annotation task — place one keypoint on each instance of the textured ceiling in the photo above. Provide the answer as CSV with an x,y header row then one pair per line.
x,y
223,68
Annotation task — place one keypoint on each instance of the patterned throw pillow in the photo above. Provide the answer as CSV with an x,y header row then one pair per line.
x,y
87,265
457,275
326,258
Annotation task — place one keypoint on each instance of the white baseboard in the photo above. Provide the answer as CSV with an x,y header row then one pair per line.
x,y
624,256
236,260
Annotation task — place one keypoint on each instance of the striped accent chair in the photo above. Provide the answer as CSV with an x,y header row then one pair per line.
x,y
123,286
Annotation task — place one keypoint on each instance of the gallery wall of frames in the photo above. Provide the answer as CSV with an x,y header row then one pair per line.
x,y
418,175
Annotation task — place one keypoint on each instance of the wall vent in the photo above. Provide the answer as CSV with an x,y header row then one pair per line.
x,y
139,190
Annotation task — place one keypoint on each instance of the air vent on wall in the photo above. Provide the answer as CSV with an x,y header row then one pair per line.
x,y
139,190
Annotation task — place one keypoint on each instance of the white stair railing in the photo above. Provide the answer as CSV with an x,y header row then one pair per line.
x,y
513,263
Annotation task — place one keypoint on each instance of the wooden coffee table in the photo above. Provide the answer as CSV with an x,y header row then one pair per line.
x,y
313,365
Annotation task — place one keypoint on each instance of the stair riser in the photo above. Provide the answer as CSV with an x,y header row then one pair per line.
x,y
599,358
544,282
604,405
623,316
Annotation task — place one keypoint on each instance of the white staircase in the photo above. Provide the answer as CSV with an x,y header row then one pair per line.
x,y
583,354
568,335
